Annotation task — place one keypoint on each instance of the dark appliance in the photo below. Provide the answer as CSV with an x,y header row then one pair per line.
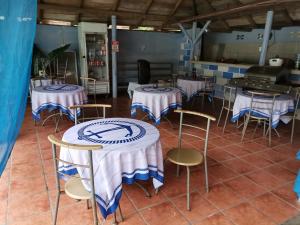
x,y
265,78
144,75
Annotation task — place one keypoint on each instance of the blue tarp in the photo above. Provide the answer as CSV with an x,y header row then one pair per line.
x,y
17,31
297,181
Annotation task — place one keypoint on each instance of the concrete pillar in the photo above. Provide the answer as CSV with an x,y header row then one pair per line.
x,y
264,47
114,58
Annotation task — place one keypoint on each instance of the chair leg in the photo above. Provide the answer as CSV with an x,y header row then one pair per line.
x,y
115,221
258,122
177,171
56,208
206,175
270,131
225,122
292,133
245,127
121,215
220,116
94,210
188,188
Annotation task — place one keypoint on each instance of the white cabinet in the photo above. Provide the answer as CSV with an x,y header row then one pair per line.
x,y
93,53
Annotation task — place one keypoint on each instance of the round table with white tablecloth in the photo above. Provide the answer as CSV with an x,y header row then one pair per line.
x,y
60,96
131,151
190,87
156,102
282,105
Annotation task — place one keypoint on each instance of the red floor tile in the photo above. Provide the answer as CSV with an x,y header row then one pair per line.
x,y
222,197
286,192
200,207
273,207
236,150
216,219
219,155
245,214
265,179
281,173
257,160
221,173
245,187
164,213
240,166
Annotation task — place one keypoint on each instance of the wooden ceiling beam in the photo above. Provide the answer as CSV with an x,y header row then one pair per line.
x,y
289,19
174,10
96,12
116,5
212,9
232,12
249,18
147,8
80,14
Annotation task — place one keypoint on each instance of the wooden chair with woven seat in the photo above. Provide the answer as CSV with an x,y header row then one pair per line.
x,y
89,106
229,95
73,186
190,157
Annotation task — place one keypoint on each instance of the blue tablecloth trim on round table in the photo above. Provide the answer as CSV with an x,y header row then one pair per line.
x,y
256,113
127,178
52,106
151,116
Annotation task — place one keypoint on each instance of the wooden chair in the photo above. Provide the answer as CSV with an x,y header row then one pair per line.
x,y
257,98
89,85
89,106
73,186
229,95
190,157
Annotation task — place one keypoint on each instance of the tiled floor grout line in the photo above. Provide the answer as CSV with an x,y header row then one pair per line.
x,y
136,209
178,210
44,175
263,212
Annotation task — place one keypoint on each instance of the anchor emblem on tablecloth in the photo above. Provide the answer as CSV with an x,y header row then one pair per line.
x,y
132,132
58,88
119,127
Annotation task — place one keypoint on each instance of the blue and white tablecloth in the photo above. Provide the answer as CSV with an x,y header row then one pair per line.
x,y
156,102
282,105
190,87
60,96
131,151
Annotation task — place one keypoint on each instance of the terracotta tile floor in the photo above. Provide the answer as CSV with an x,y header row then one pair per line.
x,y
250,183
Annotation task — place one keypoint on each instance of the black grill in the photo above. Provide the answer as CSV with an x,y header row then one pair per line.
x,y
267,78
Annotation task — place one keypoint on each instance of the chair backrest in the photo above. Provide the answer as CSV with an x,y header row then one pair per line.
x,y
262,101
36,82
183,125
210,82
89,85
295,92
144,75
81,109
229,95
74,147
